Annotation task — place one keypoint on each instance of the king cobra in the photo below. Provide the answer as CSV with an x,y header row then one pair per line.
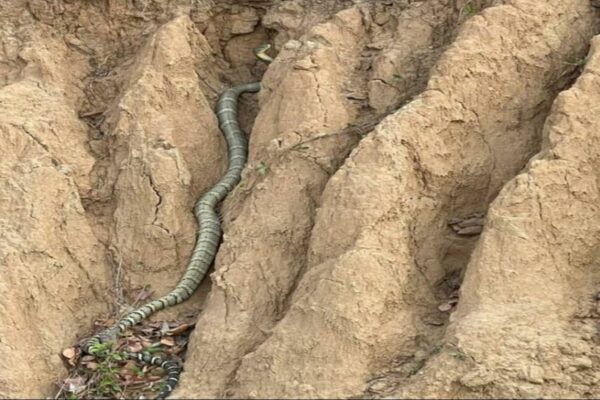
x,y
209,233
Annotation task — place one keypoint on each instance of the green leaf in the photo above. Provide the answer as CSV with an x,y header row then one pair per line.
x,y
154,348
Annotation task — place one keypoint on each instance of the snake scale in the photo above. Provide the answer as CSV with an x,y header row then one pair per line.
x,y
208,238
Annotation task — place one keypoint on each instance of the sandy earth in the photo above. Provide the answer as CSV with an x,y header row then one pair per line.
x,y
351,264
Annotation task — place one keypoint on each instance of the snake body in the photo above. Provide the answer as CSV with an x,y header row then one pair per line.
x,y
209,234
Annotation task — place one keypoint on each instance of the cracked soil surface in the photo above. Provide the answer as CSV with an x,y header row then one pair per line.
x,y
419,215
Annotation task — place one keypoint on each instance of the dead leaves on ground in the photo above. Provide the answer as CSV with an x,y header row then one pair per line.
x,y
91,377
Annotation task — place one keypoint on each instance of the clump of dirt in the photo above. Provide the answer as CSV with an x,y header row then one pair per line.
x,y
417,217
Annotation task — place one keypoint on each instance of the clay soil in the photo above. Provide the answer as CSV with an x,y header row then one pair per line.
x,y
419,215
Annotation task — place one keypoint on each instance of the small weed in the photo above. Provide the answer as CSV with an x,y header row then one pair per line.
x,y
416,367
468,10
459,355
107,385
437,348
71,396
158,387
107,372
261,168
138,371
397,77
101,349
580,62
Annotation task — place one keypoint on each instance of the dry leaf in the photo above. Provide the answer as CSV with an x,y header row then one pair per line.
x,y
135,347
91,365
167,341
69,352
180,329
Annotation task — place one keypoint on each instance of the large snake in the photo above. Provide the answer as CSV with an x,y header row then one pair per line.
x,y
209,234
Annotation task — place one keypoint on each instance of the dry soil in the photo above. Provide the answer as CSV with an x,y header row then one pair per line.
x,y
419,216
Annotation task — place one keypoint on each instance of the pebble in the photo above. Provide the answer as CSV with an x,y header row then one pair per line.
x,y
533,374
381,18
582,362
292,44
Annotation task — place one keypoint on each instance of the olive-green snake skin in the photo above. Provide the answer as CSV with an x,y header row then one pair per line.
x,y
209,233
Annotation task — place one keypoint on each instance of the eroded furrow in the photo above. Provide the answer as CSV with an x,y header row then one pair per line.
x,y
526,322
380,241
47,250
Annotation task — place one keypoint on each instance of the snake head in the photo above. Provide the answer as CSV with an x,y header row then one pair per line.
x,y
261,54
99,342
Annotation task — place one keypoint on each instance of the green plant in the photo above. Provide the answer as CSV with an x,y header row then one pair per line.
x,y
261,168
437,348
101,349
158,386
580,62
459,355
136,370
107,386
107,371
468,10
71,396
416,367
153,348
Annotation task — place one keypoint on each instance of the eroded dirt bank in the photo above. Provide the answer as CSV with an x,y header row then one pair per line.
x,y
377,124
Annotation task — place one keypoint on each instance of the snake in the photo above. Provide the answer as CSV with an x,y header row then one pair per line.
x,y
208,235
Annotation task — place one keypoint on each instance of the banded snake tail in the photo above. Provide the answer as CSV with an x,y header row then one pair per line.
x,y
209,233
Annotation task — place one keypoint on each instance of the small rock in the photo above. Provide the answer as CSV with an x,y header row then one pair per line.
x,y
447,306
381,18
528,391
582,362
244,22
470,230
533,374
292,44
377,45
305,64
74,385
477,377
311,45
78,44
379,385
356,96
470,225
